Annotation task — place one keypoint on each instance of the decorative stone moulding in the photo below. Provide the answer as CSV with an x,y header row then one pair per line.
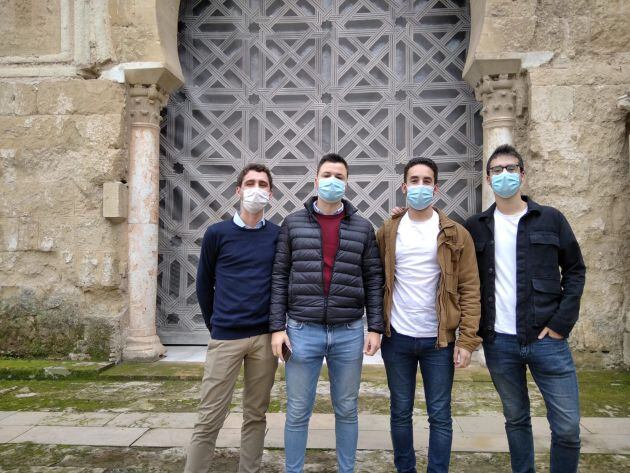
x,y
498,96
145,104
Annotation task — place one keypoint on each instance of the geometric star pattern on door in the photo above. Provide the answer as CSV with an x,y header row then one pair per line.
x,y
284,82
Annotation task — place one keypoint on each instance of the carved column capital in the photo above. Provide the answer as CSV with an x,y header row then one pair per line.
x,y
499,98
145,104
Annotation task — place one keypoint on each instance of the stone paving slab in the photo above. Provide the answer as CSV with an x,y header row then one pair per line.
x,y
495,424
85,419
606,425
601,443
164,438
274,438
25,418
95,436
229,438
9,432
158,429
479,442
154,420
374,440
4,414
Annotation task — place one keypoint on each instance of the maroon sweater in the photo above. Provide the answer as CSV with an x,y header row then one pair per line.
x,y
330,243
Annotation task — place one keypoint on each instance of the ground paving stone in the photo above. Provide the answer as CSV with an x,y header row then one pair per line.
x,y
478,442
229,438
183,420
606,425
25,418
496,424
471,433
4,414
375,440
9,432
84,419
165,438
96,436
602,443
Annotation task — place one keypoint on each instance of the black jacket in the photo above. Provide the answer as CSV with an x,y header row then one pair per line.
x,y
297,284
549,272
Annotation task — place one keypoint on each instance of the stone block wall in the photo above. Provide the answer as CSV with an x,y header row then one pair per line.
x,y
65,131
62,265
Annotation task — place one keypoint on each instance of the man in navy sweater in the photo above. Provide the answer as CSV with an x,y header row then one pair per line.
x,y
233,289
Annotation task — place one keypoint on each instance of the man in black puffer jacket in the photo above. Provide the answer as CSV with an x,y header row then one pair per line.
x,y
327,273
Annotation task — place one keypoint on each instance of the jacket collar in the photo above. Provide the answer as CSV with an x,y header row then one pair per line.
x,y
531,208
348,208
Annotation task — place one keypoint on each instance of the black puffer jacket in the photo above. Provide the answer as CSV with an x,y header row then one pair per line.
x,y
297,285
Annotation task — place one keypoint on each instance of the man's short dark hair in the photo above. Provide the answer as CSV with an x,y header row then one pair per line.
x,y
332,158
254,167
505,150
424,161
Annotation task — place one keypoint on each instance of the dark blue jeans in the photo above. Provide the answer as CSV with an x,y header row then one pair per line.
x,y
401,355
551,365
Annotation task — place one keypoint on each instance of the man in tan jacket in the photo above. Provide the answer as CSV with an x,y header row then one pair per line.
x,y
431,290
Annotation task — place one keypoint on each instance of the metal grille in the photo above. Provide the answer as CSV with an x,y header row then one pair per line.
x,y
284,82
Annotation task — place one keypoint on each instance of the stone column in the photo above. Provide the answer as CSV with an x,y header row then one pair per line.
x,y
142,342
498,97
623,103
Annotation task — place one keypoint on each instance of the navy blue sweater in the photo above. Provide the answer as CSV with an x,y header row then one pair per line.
x,y
234,279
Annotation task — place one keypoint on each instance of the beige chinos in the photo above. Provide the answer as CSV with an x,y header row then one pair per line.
x,y
223,363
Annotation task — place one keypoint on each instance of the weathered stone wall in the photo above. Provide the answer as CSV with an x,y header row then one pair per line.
x,y
577,56
65,128
60,260
62,265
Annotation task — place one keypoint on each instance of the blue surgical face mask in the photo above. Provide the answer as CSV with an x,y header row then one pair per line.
x,y
506,184
331,189
419,197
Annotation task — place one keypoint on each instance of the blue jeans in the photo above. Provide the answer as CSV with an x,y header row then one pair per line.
x,y
342,345
551,365
401,355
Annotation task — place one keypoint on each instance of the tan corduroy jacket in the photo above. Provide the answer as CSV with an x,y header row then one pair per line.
x,y
457,298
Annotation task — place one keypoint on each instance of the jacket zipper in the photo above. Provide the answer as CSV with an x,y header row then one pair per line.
x,y
321,265
332,269
439,299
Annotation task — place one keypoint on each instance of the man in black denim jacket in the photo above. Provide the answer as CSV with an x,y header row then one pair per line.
x,y
532,277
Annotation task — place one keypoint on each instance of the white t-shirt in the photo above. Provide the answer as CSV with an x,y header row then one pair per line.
x,y
505,228
416,277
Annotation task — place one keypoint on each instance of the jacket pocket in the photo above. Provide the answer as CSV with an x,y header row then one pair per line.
x,y
546,296
453,310
294,324
544,238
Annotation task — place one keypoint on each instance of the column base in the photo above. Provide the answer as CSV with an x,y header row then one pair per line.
x,y
145,349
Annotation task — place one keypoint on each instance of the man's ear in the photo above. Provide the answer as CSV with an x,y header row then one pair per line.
x,y
238,191
404,187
